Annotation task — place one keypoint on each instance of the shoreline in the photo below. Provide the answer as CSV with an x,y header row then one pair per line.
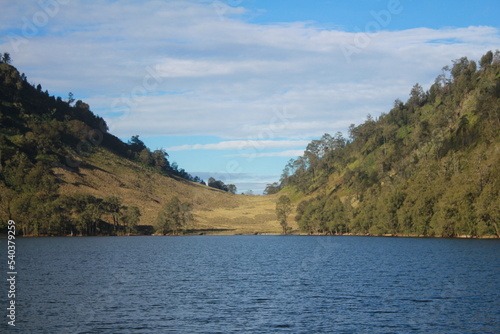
x,y
204,233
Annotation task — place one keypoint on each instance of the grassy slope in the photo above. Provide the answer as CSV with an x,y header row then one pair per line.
x,y
214,211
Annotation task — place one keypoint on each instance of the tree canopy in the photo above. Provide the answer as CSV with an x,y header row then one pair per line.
x,y
283,210
174,217
218,184
427,167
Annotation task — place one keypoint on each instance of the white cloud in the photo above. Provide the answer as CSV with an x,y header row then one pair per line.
x,y
183,68
288,153
231,75
243,145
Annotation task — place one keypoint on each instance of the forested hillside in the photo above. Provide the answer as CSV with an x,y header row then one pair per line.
x,y
47,147
427,167
430,166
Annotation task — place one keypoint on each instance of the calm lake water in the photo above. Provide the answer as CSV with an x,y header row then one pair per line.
x,y
256,284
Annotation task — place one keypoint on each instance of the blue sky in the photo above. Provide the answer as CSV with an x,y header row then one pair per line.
x,y
235,88
349,14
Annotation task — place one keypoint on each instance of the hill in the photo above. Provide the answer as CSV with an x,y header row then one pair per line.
x,y
62,173
430,166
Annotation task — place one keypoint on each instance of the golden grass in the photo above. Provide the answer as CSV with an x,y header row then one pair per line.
x,y
214,211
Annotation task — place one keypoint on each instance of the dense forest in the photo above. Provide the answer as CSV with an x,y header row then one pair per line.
x,y
39,132
430,166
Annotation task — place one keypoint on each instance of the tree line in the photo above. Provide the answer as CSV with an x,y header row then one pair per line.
x,y
427,167
38,132
218,184
157,160
29,194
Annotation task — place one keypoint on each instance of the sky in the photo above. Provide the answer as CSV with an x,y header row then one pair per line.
x,y
234,89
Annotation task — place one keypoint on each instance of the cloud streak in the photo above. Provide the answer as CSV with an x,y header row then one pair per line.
x,y
287,153
230,73
242,145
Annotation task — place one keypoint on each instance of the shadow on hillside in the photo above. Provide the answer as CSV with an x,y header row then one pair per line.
x,y
209,230
92,167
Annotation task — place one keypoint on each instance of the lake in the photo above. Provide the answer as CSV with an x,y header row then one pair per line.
x,y
255,284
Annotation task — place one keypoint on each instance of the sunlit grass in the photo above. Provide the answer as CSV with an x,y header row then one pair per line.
x,y
214,211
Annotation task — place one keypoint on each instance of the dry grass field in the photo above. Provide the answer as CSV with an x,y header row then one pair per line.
x,y
214,211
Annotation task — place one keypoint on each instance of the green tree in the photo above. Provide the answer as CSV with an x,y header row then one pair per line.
x,y
272,188
145,157
6,58
217,184
71,98
130,218
88,211
232,188
390,206
15,171
365,217
173,217
283,210
7,195
136,144
334,216
112,205
488,204
160,161
417,96
486,60
309,215
57,219
24,209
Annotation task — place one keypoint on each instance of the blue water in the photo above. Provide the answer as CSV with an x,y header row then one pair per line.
x,y
256,284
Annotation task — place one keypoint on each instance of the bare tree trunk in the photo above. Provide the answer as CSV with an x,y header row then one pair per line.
x,y
496,229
